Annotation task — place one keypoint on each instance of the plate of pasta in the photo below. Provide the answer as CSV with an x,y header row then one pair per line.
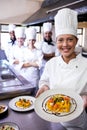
x,y
22,103
58,105
8,126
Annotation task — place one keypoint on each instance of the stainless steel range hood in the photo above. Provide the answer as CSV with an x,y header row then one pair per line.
x,y
11,83
50,8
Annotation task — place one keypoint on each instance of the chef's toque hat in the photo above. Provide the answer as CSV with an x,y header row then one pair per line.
x,y
11,27
20,32
30,33
47,27
66,22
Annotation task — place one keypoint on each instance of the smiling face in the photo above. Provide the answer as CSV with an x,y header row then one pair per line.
x,y
66,45
20,41
30,43
47,35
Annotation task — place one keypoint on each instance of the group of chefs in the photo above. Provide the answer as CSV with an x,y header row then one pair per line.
x,y
29,59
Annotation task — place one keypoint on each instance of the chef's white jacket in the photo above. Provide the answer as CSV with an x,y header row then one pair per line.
x,y
17,53
32,73
71,76
46,48
8,48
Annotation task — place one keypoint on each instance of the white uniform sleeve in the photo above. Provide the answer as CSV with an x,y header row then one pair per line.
x,y
11,57
45,77
40,59
38,45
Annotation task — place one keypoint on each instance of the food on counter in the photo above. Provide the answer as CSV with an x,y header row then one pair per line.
x,y
2,108
6,127
58,103
23,103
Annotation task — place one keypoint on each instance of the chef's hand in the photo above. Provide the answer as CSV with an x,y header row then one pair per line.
x,y
84,97
41,90
16,62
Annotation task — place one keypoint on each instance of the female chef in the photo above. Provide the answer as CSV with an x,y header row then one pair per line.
x,y
17,51
69,70
32,58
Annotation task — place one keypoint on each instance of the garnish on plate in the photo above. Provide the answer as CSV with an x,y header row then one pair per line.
x,y
2,108
58,104
6,127
23,103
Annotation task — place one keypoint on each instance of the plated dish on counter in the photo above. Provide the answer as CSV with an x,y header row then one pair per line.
x,y
58,105
8,126
3,109
22,103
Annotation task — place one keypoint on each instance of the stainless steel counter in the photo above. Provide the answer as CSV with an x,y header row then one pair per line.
x,y
11,83
28,120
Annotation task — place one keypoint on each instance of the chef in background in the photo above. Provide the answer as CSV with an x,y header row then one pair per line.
x,y
11,41
32,58
47,46
17,52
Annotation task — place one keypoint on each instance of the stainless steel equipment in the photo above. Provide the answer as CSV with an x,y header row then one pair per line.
x,y
11,83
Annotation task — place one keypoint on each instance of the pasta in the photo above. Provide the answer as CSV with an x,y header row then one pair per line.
x,y
6,127
58,104
23,103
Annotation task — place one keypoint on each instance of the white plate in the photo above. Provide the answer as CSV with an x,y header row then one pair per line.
x,y
15,108
39,106
11,124
5,108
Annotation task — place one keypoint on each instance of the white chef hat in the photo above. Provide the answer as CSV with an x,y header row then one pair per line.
x,y
11,27
66,22
47,27
20,32
30,33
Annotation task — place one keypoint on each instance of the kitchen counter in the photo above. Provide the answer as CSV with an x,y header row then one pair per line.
x,y
11,83
28,120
